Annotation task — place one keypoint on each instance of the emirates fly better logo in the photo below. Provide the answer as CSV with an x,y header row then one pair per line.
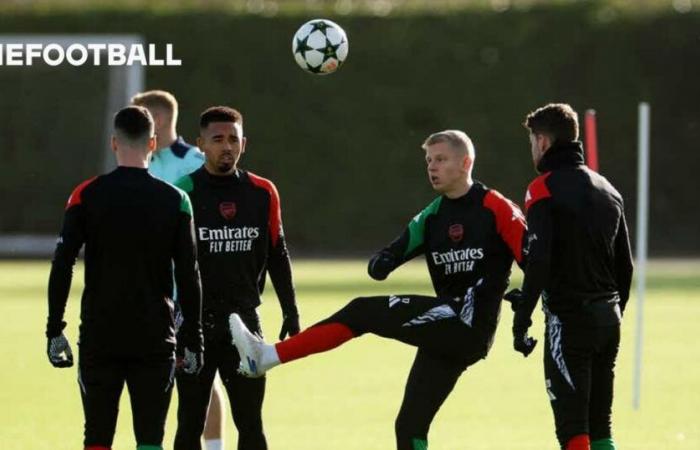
x,y
227,239
456,261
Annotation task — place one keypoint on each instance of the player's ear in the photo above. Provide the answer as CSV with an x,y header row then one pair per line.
x,y
543,142
152,143
114,143
199,142
243,141
466,163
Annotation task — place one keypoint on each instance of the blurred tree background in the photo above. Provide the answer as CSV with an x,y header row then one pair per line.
x,y
344,149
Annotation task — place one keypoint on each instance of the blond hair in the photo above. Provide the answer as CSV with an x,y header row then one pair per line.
x,y
457,139
157,99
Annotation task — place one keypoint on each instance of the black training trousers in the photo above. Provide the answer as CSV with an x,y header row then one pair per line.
x,y
149,380
446,347
245,394
579,367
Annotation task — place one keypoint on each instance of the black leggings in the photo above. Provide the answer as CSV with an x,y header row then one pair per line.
x,y
149,380
579,367
245,396
446,347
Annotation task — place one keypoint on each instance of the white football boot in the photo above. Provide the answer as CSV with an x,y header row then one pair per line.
x,y
249,348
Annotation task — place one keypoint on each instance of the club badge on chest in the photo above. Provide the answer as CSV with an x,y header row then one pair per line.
x,y
456,232
227,210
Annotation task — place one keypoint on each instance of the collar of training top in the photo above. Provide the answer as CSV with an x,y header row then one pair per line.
x,y
180,147
235,178
131,170
567,154
473,195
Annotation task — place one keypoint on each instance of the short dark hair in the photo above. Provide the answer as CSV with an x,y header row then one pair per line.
x,y
557,120
219,114
134,123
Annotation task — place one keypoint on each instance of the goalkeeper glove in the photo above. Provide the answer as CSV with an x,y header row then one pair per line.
x,y
290,326
59,351
190,362
523,343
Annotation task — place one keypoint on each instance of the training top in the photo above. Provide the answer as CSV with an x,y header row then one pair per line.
x,y
174,162
238,226
469,245
136,230
578,251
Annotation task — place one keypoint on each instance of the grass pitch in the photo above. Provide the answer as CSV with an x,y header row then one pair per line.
x,y
347,399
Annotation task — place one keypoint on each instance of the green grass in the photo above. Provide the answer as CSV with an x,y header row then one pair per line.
x,y
348,398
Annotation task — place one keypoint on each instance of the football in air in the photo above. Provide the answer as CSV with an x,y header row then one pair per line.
x,y
320,46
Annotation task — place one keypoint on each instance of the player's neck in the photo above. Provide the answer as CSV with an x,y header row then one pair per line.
x,y
132,159
461,189
165,138
214,172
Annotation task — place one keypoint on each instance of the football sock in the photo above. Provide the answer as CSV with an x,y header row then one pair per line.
x,y
420,444
214,444
268,357
317,339
580,442
603,444
97,447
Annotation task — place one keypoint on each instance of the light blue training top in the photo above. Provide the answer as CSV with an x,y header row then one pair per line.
x,y
174,162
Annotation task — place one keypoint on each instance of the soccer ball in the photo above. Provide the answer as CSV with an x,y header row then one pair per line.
x,y
320,46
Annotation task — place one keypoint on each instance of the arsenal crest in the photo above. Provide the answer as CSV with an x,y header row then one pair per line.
x,y
227,210
456,232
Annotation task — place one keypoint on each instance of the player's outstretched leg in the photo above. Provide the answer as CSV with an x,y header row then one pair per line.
x,y
257,357
361,315
421,321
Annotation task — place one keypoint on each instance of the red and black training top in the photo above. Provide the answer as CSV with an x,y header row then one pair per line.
x,y
238,226
136,229
468,242
578,251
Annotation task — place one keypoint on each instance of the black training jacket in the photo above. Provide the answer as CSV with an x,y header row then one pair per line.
x,y
469,245
578,252
136,229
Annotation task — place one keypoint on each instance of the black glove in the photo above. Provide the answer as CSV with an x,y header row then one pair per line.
x,y
515,298
190,362
381,265
59,352
290,326
523,343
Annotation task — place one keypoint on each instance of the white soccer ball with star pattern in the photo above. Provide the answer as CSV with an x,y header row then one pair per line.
x,y
320,46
